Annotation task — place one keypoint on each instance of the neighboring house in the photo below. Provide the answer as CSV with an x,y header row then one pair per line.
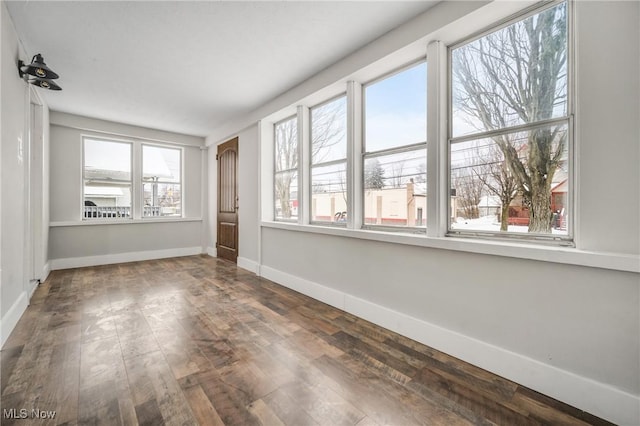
x,y
387,206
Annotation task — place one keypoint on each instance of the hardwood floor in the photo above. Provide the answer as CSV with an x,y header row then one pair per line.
x,y
196,340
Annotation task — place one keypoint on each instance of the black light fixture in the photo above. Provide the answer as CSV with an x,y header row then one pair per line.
x,y
38,73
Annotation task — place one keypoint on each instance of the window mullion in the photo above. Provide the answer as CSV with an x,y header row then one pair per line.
x,y
437,152
266,169
136,180
304,160
506,130
355,181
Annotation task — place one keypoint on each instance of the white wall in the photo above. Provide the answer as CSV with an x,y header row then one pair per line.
x,y
12,300
15,289
248,213
608,113
569,331
212,198
73,242
39,196
46,194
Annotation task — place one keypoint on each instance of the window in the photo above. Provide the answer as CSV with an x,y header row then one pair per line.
x,y
161,181
107,185
505,169
510,135
329,161
110,168
395,149
286,169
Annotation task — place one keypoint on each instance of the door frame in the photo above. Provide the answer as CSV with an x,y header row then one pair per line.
x,y
232,143
34,191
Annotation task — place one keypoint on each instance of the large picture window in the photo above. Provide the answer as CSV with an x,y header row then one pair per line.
x,y
161,181
510,133
395,157
286,169
107,179
329,161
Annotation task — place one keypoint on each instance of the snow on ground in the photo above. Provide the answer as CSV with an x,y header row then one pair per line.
x,y
490,223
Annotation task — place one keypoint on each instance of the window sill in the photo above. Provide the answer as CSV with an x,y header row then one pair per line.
x,y
121,221
564,255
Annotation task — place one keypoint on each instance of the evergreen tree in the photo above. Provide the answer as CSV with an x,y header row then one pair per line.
x,y
373,175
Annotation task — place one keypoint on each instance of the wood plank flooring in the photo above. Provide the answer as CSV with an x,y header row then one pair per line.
x,y
195,340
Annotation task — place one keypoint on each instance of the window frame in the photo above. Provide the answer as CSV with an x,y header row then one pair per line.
x,y
311,165
131,144
417,146
298,169
180,149
437,143
568,119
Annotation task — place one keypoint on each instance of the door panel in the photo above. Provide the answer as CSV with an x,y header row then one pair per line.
x,y
227,245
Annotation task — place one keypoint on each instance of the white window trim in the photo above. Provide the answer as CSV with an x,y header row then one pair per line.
x,y
137,196
518,250
120,221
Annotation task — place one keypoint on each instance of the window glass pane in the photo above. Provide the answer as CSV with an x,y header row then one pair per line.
x,y
162,199
160,164
106,160
396,189
107,179
286,145
329,131
286,177
396,110
499,184
329,193
104,200
286,195
516,75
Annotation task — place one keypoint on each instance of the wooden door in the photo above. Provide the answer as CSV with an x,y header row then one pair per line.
x,y
227,245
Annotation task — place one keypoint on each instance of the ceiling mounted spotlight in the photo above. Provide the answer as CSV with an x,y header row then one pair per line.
x,y
38,73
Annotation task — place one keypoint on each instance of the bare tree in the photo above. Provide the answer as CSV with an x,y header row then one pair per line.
x,y
286,147
397,173
518,75
469,191
421,173
328,129
495,175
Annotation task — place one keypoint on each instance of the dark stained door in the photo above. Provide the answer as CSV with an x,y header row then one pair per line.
x,y
227,245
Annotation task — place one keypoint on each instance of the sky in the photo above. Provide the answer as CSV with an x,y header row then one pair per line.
x,y
396,109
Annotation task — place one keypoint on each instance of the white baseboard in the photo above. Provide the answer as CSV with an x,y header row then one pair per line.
x,y
46,270
249,265
107,259
319,292
594,397
11,318
211,251
33,285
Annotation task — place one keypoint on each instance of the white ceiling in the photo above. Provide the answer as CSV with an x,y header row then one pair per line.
x,y
189,67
